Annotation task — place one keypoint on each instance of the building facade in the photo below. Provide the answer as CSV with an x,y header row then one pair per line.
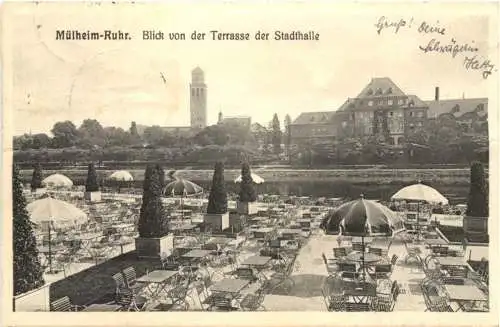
x,y
198,99
380,109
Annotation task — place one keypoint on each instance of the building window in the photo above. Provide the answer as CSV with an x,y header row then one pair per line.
x,y
370,103
201,92
420,114
369,92
391,113
411,113
381,102
192,92
389,91
379,91
401,101
390,102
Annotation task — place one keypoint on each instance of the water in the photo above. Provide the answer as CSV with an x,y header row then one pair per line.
x,y
455,193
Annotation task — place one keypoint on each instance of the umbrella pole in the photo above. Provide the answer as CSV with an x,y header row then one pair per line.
x,y
363,257
418,223
50,250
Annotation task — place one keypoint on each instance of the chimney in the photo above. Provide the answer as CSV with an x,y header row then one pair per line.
x,y
436,94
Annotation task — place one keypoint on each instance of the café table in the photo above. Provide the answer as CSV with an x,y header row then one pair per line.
x,y
465,294
156,282
451,261
102,307
231,286
435,241
257,261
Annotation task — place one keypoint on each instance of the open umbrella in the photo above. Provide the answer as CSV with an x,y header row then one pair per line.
x,y
121,176
57,181
367,218
183,188
255,178
56,214
419,193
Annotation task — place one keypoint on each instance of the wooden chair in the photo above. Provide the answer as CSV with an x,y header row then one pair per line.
x,y
221,303
64,305
253,302
129,301
412,252
358,247
357,307
119,281
339,252
383,303
383,271
246,273
394,260
437,304
131,279
331,269
334,302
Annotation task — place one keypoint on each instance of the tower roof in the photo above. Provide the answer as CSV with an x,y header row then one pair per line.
x,y
197,70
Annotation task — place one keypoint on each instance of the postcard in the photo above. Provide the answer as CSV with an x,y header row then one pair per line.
x,y
249,163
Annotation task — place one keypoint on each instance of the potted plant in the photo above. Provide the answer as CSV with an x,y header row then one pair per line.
x,y
154,238
217,215
475,223
247,195
92,192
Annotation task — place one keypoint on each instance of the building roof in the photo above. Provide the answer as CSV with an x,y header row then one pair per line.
x,y
380,86
458,107
319,117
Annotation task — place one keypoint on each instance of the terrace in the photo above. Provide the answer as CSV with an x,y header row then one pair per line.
x,y
275,265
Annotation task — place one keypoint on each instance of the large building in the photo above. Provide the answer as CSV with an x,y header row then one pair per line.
x,y
198,99
240,121
382,108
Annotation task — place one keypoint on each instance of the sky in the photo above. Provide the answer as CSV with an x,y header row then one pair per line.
x,y
117,82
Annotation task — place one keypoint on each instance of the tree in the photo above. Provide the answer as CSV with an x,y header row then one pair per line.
x,y
217,200
91,184
276,134
41,141
28,273
92,133
133,129
36,180
247,191
65,134
116,136
477,203
152,222
288,134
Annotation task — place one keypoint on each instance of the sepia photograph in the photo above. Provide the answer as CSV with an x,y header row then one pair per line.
x,y
228,157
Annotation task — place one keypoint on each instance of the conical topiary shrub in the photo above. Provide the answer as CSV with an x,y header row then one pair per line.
x,y
247,191
28,273
217,200
36,180
91,184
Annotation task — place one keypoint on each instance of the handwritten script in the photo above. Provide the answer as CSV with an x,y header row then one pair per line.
x,y
436,45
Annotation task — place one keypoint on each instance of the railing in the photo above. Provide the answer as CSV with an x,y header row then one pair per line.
x,y
34,300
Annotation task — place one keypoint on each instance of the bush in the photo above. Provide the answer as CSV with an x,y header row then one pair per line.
x,y
36,180
477,203
28,274
91,184
152,222
217,200
247,191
